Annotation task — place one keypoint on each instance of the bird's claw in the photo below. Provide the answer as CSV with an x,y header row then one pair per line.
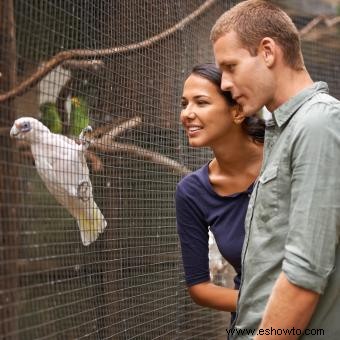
x,y
87,129
83,133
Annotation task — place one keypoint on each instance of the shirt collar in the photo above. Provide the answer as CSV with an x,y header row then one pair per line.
x,y
285,111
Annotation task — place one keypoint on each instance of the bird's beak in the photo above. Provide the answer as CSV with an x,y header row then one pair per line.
x,y
14,131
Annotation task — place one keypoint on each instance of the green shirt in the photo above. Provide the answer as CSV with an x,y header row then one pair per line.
x,y
293,217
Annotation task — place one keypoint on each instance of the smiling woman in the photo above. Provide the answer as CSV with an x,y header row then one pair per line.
x,y
204,112
216,196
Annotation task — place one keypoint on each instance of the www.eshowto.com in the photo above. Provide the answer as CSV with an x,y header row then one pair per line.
x,y
276,331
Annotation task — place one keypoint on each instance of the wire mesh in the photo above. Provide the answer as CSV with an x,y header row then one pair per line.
x,y
118,66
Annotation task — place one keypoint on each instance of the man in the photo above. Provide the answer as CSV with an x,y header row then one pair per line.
x,y
291,277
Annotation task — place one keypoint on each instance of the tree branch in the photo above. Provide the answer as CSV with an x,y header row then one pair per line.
x,y
106,143
329,22
112,132
311,25
89,65
86,53
153,157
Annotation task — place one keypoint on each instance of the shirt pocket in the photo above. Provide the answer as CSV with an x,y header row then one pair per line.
x,y
267,197
269,174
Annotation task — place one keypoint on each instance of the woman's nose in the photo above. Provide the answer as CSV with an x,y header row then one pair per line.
x,y
188,113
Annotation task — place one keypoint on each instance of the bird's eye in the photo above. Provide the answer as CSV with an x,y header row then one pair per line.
x,y
25,127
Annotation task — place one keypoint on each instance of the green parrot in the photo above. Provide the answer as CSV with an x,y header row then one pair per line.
x,y
79,116
50,117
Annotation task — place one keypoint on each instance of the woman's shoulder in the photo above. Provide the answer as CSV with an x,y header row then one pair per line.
x,y
195,180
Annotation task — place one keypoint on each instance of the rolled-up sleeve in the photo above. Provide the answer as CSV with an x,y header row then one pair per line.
x,y
315,199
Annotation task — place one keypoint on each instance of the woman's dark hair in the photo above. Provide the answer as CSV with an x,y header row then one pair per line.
x,y
253,126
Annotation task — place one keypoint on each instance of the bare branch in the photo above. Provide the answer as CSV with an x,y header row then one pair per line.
x,y
97,164
311,25
332,22
107,144
108,131
89,65
316,21
121,128
87,53
151,156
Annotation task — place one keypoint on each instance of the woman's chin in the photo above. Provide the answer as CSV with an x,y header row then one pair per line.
x,y
196,144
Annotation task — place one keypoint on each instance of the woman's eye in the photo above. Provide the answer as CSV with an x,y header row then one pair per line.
x,y
184,105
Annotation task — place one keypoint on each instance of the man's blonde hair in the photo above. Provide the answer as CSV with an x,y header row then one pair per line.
x,y
253,20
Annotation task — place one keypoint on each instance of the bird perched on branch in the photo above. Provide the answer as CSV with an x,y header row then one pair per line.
x,y
79,115
50,117
61,164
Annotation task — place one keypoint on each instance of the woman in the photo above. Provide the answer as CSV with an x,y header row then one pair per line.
x,y
215,196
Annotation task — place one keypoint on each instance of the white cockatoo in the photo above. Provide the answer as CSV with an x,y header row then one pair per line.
x,y
61,164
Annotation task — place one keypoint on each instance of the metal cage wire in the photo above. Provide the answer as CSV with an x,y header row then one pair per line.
x,y
119,67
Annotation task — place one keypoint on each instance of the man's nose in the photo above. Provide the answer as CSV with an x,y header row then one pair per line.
x,y
226,83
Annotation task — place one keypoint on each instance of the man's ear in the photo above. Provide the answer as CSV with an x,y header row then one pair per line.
x,y
268,49
238,115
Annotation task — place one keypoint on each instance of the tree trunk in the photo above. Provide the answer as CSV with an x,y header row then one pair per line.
x,y
9,179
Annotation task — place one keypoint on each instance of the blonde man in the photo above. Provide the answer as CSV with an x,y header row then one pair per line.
x,y
291,275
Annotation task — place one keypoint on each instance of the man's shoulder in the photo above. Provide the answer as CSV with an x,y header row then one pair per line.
x,y
322,108
323,98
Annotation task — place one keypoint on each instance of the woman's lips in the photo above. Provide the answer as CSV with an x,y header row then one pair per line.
x,y
193,130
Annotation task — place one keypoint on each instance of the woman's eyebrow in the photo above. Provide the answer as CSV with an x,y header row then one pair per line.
x,y
197,96
201,95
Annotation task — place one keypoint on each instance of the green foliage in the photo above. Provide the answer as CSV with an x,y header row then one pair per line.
x,y
50,117
79,117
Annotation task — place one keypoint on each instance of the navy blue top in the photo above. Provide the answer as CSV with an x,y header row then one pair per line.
x,y
199,207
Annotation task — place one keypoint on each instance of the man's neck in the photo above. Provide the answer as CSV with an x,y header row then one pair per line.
x,y
289,84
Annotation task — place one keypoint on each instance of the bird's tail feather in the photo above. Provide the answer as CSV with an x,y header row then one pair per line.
x,y
90,228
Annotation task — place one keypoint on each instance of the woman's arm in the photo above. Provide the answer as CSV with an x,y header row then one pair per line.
x,y
208,294
193,234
